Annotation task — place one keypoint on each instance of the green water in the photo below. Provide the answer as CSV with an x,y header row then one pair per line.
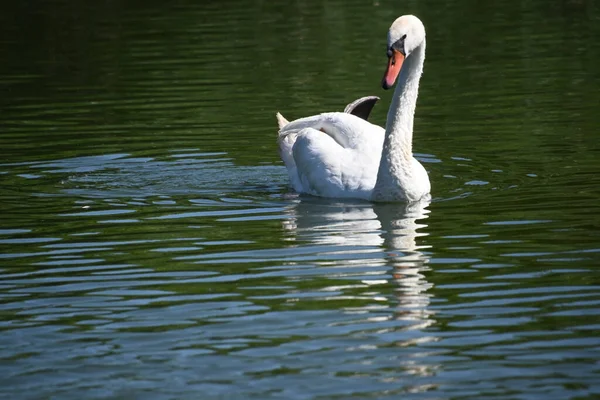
x,y
150,246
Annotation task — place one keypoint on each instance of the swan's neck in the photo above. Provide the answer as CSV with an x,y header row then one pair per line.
x,y
400,118
395,169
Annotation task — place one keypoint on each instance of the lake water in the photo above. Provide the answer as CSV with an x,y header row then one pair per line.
x,y
150,246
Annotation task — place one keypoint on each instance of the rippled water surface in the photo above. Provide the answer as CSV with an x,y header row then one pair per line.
x,y
150,246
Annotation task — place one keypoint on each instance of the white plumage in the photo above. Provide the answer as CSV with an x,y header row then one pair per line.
x,y
341,155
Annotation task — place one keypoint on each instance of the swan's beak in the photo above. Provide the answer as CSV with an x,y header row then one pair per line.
x,y
393,69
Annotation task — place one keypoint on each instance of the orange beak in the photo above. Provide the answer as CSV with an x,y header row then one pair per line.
x,y
393,69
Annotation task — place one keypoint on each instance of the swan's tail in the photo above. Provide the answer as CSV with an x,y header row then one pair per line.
x,y
283,138
286,139
281,121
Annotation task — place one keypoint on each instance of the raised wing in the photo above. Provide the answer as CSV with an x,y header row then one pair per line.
x,y
348,130
362,107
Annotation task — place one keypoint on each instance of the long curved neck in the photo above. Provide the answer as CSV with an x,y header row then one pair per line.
x,y
395,166
400,118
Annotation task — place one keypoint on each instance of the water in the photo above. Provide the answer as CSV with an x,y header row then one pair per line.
x,y
150,247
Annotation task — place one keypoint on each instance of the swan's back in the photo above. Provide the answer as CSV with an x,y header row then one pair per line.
x,y
332,154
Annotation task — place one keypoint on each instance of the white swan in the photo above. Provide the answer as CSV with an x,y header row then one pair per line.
x,y
344,156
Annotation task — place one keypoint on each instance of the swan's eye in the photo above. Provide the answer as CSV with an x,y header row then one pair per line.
x,y
403,37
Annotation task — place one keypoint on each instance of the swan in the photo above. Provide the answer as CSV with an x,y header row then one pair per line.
x,y
341,155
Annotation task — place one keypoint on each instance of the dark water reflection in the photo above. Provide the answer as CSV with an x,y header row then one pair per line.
x,y
150,246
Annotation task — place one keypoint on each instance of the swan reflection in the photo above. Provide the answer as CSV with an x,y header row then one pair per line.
x,y
385,236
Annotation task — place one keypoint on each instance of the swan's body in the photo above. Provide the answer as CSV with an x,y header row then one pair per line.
x,y
343,156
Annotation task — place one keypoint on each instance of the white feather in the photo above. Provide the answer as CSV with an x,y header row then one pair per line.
x,y
343,156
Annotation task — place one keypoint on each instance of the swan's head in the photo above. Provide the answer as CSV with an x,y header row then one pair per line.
x,y
406,34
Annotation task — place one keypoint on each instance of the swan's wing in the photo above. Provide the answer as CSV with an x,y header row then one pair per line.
x,y
324,168
332,154
362,107
317,158
348,130
325,139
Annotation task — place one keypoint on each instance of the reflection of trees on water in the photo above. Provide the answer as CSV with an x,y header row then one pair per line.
x,y
307,56
363,228
295,44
